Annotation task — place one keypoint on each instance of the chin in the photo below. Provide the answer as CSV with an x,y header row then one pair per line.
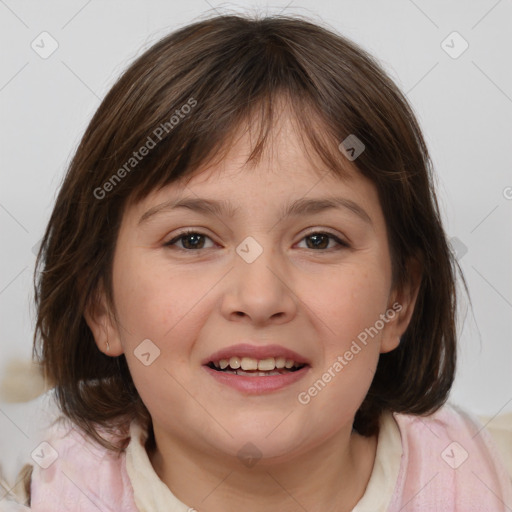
x,y
264,445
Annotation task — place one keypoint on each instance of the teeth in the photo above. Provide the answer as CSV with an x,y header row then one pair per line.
x,y
266,364
248,363
235,363
255,366
280,362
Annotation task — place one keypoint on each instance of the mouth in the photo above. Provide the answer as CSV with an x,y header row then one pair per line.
x,y
251,367
256,370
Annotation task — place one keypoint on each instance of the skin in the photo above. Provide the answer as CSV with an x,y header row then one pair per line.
x,y
312,300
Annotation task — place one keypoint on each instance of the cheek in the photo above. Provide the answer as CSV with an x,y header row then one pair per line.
x,y
351,303
349,311
138,296
152,305
151,298
165,305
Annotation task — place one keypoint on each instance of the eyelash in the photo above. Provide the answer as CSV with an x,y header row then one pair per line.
x,y
185,233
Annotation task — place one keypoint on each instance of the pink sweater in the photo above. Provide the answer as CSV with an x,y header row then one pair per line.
x,y
448,464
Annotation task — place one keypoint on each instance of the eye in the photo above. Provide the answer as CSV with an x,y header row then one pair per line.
x,y
191,240
195,240
320,240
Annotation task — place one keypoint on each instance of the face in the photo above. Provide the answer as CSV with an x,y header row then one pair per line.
x,y
273,276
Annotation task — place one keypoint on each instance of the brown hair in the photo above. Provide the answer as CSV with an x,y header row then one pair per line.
x,y
227,69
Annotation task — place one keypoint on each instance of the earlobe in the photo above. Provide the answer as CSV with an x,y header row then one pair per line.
x,y
102,325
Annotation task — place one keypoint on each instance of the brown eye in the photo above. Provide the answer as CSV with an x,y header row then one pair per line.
x,y
194,240
319,240
190,240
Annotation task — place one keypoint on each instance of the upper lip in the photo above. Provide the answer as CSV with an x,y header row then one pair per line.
x,y
256,352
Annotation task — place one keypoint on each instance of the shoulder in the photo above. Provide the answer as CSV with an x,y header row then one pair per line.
x,y
60,467
449,420
73,469
464,431
28,423
449,457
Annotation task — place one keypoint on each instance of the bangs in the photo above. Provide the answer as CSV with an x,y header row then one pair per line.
x,y
197,143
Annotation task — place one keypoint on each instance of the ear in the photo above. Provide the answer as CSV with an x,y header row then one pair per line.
x,y
102,324
401,307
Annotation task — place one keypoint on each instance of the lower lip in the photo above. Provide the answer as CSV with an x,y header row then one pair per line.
x,y
257,385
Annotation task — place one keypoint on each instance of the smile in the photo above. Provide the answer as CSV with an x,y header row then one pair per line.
x,y
254,369
256,376
251,367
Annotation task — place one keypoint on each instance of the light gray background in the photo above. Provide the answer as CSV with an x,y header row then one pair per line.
x,y
464,106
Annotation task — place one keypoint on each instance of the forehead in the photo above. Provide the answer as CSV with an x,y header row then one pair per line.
x,y
287,168
287,154
286,150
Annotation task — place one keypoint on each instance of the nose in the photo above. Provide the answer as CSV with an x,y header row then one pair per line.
x,y
260,292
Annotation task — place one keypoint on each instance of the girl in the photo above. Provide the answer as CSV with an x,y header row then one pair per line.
x,y
247,298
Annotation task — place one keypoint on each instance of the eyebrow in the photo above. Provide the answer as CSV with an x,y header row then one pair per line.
x,y
300,207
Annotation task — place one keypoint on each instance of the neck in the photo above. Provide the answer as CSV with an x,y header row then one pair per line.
x,y
330,477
